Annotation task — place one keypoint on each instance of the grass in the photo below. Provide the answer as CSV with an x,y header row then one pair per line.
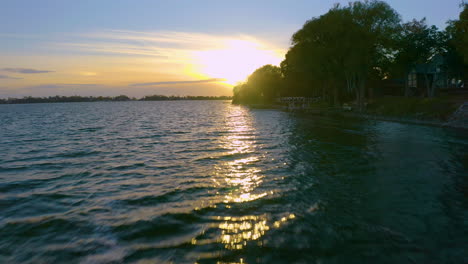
x,y
439,108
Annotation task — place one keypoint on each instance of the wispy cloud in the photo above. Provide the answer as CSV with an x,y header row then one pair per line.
x,y
25,70
62,85
165,45
197,55
174,39
179,82
8,77
138,63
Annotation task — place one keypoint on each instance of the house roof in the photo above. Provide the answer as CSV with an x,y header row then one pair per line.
x,y
437,61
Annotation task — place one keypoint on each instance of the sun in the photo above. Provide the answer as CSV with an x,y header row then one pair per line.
x,y
235,61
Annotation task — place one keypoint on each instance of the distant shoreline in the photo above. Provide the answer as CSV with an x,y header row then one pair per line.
x,y
120,98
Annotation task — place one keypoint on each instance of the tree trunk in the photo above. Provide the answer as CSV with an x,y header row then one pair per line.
x,y
358,105
360,88
407,91
335,96
428,88
362,92
433,87
323,91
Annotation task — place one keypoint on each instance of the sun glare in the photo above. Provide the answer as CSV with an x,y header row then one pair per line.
x,y
236,61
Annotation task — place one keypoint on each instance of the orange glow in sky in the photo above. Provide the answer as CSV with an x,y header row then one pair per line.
x,y
113,62
236,61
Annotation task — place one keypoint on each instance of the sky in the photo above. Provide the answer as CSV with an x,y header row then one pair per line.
x,y
145,47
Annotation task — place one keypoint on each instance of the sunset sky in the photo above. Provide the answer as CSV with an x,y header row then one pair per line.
x,y
110,47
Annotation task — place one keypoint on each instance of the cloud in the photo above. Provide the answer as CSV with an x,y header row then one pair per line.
x,y
197,55
60,86
179,82
79,84
25,70
170,46
9,77
139,63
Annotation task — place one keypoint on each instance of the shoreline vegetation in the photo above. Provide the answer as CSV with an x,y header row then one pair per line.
x,y
444,111
358,60
362,60
120,98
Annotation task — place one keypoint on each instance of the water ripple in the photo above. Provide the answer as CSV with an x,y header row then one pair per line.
x,y
210,182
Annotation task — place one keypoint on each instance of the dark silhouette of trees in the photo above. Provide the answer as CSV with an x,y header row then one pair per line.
x,y
262,86
345,53
460,33
457,42
75,98
121,98
417,44
340,50
56,99
176,98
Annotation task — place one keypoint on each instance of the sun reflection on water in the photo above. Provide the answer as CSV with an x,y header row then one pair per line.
x,y
237,231
239,180
242,177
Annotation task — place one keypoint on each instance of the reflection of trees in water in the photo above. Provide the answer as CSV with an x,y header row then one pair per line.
x,y
349,190
368,187
332,165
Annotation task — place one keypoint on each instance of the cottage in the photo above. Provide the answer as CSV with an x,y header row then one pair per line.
x,y
429,77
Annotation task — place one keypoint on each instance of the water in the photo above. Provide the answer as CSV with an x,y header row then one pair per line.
x,y
209,182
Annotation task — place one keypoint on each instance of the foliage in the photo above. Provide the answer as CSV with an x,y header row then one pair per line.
x,y
417,44
176,98
62,99
421,108
460,36
456,66
348,51
339,51
262,86
67,99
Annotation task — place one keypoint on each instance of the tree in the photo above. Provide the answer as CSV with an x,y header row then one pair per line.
x,y
455,65
457,36
262,86
122,98
460,34
375,28
343,48
417,45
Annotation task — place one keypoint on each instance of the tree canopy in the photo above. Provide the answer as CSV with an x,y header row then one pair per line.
x,y
341,54
262,86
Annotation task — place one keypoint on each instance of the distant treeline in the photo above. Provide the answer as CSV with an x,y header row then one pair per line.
x,y
174,98
120,98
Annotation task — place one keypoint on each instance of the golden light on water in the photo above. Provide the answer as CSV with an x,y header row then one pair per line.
x,y
241,175
236,61
243,179
237,231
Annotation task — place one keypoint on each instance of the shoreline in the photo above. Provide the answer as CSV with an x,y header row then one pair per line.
x,y
110,101
454,124
405,120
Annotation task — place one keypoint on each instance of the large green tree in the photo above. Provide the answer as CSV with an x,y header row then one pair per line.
x,y
343,48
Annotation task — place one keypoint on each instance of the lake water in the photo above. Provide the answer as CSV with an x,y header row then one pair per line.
x,y
210,182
